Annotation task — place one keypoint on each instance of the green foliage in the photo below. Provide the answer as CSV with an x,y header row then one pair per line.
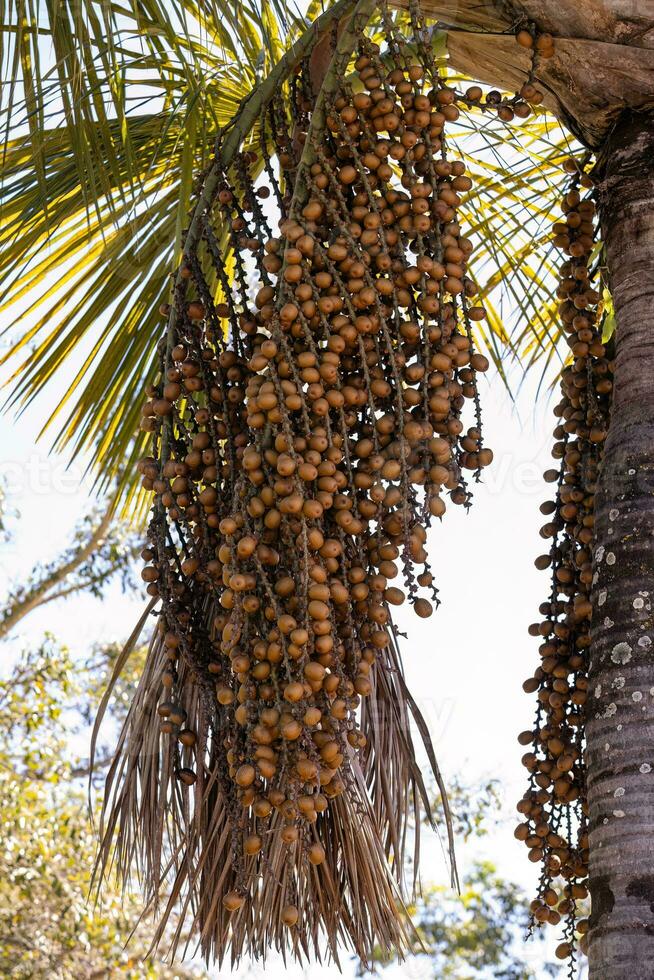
x,y
48,926
99,669
475,808
478,933
106,114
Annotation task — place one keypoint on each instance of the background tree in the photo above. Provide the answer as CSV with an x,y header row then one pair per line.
x,y
50,925
102,550
480,931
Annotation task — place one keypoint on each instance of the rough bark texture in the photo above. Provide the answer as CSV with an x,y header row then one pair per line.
x,y
604,61
620,726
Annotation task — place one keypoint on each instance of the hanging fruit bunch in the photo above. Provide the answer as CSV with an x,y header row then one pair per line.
x,y
305,431
554,809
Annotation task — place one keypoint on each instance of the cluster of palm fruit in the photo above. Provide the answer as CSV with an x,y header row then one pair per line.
x,y
521,104
305,455
554,811
306,430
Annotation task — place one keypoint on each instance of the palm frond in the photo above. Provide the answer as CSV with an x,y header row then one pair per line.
x,y
98,162
111,112
515,198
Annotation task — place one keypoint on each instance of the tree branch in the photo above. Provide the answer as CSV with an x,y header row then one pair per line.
x,y
39,594
86,584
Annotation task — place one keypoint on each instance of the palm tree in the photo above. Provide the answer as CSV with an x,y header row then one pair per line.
x,y
113,112
611,113
108,123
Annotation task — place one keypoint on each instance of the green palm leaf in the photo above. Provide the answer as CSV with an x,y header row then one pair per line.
x,y
113,110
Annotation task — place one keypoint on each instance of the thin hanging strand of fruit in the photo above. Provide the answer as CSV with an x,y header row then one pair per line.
x,y
305,433
554,808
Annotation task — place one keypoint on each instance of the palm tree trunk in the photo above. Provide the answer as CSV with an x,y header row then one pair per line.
x,y
620,726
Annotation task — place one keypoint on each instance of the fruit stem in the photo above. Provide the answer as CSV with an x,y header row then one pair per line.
x,y
244,119
332,81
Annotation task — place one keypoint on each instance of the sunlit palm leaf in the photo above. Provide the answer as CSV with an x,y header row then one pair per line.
x,y
83,280
113,110
517,179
